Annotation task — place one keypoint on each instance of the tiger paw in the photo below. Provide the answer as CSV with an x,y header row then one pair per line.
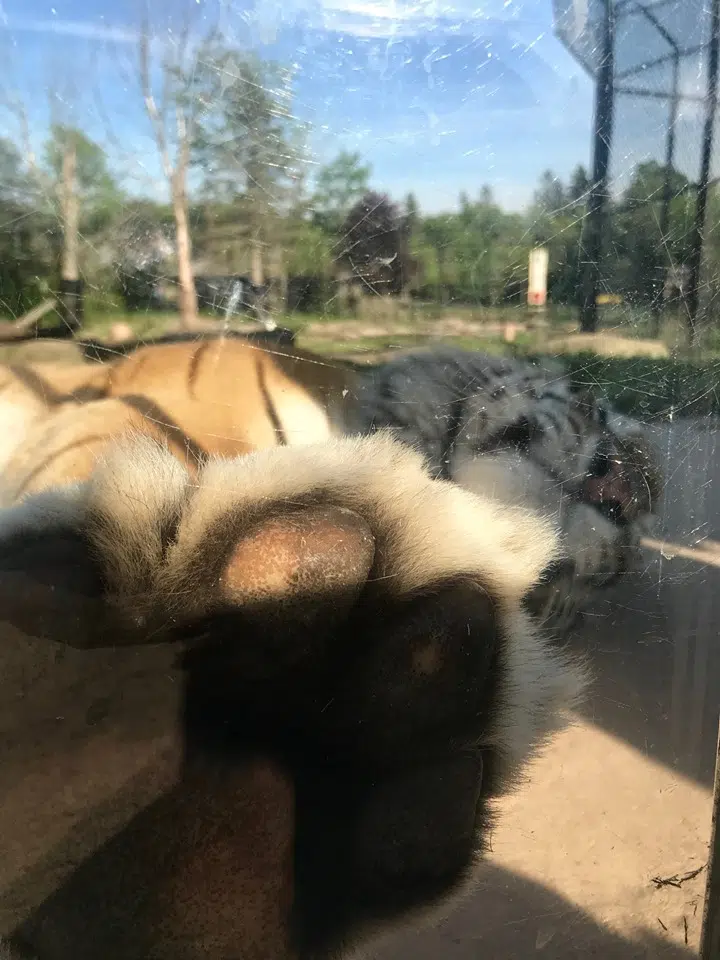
x,y
336,611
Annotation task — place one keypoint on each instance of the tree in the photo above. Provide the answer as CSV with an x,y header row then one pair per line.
x,y
172,119
412,228
648,183
412,211
74,197
85,190
338,186
21,230
247,141
579,186
486,196
643,253
93,178
550,194
310,251
555,224
471,255
440,231
16,186
375,244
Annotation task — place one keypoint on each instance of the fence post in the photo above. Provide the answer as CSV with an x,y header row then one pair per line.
x,y
697,236
710,934
597,198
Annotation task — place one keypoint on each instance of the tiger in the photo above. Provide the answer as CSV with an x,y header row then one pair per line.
x,y
361,682
526,434
523,433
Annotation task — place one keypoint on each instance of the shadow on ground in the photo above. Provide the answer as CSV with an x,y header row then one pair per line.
x,y
509,917
513,918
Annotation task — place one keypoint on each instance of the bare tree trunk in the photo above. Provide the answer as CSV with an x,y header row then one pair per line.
x,y
70,213
257,274
187,294
441,277
176,175
70,292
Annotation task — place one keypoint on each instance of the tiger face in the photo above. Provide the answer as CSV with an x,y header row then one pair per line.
x,y
541,444
554,444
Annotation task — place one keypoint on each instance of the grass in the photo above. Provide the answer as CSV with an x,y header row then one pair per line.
x,y
652,388
371,347
147,322
143,323
684,384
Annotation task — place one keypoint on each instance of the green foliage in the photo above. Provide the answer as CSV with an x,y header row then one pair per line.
x,y
374,244
473,256
309,250
550,196
92,171
100,198
247,148
24,254
246,140
338,187
412,211
640,252
579,185
651,387
16,185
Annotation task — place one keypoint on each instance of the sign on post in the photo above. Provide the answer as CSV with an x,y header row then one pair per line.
x,y
537,277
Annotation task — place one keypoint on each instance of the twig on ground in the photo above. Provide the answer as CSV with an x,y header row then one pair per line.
x,y
677,880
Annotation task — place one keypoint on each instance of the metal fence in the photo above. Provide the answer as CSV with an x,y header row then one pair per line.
x,y
655,67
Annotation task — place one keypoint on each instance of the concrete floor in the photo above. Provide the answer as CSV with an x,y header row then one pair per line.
x,y
622,797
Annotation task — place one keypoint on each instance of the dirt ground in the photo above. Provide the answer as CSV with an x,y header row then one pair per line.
x,y
622,800
608,344
585,852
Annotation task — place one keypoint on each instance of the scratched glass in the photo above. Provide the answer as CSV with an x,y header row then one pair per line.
x,y
527,179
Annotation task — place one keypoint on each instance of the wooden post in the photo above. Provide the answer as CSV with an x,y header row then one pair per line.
x,y
710,935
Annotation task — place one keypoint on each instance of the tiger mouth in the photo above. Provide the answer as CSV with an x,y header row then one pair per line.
x,y
608,488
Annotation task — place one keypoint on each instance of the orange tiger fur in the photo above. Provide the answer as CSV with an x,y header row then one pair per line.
x,y
213,397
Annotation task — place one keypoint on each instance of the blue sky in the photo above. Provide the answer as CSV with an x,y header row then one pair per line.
x,y
440,97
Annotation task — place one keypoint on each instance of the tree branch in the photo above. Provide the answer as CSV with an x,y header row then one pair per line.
x,y
156,120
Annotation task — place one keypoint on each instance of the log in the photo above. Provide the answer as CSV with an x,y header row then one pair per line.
x,y
19,329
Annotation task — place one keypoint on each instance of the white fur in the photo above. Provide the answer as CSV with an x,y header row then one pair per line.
x,y
303,420
425,529
510,478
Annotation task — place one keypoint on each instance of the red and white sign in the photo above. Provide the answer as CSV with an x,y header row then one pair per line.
x,y
537,277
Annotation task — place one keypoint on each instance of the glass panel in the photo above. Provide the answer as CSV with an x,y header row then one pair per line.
x,y
224,224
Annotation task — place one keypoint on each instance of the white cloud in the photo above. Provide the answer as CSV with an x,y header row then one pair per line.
x,y
82,29
424,10
389,18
